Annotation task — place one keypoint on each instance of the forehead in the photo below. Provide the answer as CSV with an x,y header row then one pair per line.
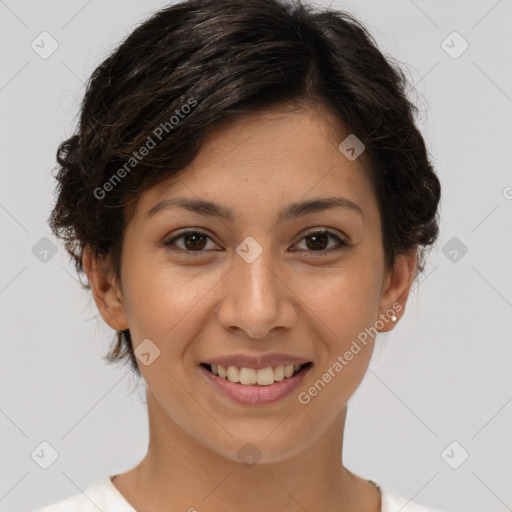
x,y
267,158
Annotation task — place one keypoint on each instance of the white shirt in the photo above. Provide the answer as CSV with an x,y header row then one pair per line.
x,y
103,495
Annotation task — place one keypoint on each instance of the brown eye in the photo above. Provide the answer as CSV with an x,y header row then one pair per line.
x,y
190,241
194,241
321,242
317,241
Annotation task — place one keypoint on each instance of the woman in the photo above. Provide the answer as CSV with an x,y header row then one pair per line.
x,y
251,201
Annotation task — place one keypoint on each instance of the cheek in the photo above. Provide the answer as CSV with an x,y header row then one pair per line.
x,y
163,300
343,310
345,300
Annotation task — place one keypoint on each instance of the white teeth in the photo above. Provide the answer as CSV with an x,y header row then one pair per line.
x,y
233,374
288,370
265,376
249,376
279,373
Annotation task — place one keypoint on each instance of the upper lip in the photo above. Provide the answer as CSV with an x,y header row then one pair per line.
x,y
256,362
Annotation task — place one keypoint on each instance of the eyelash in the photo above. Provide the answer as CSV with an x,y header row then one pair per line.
x,y
342,244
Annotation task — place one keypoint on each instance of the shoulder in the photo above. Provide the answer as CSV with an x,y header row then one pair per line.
x,y
392,502
101,495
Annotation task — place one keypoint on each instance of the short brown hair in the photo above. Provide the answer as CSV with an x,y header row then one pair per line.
x,y
224,59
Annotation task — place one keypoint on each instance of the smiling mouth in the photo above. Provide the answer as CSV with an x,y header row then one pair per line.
x,y
256,377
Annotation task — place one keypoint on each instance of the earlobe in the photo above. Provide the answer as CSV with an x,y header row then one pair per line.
x,y
105,291
396,289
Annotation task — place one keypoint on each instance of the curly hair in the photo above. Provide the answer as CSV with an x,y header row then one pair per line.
x,y
198,64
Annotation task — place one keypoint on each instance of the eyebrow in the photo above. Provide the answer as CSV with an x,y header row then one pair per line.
x,y
294,210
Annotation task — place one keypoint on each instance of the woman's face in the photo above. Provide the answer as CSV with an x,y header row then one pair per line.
x,y
266,277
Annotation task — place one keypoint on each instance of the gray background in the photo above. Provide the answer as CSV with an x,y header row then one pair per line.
x,y
443,375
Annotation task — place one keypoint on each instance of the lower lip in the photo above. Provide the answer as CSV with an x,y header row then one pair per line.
x,y
253,394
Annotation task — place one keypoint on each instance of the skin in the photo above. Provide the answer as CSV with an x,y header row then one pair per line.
x,y
195,305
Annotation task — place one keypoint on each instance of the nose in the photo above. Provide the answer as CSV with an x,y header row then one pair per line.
x,y
256,299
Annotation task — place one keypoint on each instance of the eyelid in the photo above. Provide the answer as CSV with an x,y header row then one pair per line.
x,y
168,242
341,241
321,229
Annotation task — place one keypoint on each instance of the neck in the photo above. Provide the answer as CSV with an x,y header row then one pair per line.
x,y
181,473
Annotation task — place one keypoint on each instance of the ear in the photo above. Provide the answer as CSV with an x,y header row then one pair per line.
x,y
105,290
396,287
